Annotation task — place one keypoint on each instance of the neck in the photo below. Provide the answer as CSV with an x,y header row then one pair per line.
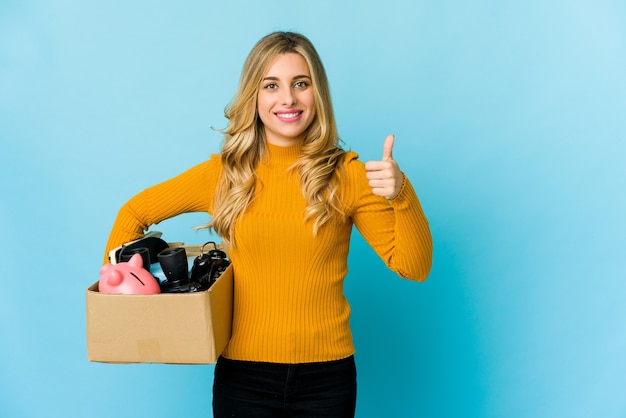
x,y
288,155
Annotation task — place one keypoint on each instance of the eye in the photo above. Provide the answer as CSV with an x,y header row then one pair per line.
x,y
270,86
301,84
137,277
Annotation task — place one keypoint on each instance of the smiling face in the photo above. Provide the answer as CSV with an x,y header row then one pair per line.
x,y
286,101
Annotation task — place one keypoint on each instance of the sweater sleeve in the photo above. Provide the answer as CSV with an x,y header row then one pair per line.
x,y
191,191
397,230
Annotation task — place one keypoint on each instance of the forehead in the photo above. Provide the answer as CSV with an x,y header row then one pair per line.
x,y
287,65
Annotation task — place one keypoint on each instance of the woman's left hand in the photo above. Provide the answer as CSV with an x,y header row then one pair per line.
x,y
385,177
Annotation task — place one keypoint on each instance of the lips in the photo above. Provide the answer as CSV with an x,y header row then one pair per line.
x,y
288,116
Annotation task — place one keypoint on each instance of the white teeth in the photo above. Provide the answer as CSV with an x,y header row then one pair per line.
x,y
288,115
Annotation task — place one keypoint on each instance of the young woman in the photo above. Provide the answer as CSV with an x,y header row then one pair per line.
x,y
284,197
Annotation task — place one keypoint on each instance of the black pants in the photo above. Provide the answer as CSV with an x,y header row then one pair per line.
x,y
254,390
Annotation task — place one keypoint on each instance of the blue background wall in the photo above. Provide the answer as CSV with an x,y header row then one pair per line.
x,y
509,119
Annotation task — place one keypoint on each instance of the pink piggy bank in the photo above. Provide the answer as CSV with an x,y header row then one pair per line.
x,y
128,278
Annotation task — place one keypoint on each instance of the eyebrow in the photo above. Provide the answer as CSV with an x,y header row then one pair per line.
x,y
298,77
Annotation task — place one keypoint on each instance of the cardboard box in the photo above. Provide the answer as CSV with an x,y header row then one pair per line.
x,y
177,328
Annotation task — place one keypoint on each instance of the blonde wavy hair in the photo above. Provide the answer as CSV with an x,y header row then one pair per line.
x,y
319,166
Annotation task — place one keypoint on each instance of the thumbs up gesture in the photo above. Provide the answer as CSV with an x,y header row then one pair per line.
x,y
384,176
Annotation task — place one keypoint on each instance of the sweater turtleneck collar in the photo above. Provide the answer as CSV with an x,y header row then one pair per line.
x,y
287,155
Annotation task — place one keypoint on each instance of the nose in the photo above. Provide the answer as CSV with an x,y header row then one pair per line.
x,y
288,97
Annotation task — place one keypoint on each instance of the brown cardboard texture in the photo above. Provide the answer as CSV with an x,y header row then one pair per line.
x,y
177,328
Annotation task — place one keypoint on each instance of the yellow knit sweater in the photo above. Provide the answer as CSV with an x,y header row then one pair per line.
x,y
289,304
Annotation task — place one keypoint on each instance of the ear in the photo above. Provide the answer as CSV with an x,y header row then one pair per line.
x,y
105,268
136,261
